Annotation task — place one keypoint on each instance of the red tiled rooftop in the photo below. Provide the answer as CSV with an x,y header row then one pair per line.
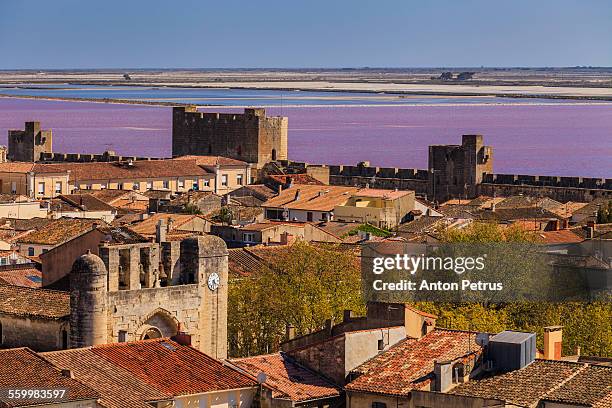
x,y
560,237
287,378
22,301
408,365
545,379
26,277
118,388
173,368
212,160
24,369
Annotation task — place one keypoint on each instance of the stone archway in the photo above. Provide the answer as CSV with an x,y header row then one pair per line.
x,y
159,323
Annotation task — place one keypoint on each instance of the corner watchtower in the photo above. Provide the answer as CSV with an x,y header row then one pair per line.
x,y
88,302
28,144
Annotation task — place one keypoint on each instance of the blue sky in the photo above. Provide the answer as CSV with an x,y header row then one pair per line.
x,y
295,33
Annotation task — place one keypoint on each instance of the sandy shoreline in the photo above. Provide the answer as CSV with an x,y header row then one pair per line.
x,y
598,102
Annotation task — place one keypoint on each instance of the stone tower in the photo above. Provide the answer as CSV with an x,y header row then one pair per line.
x,y
202,259
252,136
88,302
28,144
457,170
137,291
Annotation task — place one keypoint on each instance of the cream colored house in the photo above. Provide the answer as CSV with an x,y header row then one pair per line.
x,y
25,178
314,203
20,207
229,174
381,208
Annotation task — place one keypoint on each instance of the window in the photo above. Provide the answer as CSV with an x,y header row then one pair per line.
x,y
224,180
41,188
239,179
120,186
195,186
122,336
309,216
377,404
88,187
206,183
136,186
14,187
149,185
381,344
273,154
103,186
248,237
166,184
58,187
30,251
181,183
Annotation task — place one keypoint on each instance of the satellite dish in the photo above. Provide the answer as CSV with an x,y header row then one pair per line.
x,y
262,377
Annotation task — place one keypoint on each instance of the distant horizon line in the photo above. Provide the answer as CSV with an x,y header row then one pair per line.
x,y
348,68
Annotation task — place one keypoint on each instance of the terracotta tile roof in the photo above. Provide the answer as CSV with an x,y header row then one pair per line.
x,y
528,201
540,379
60,231
338,229
16,167
172,368
260,191
295,179
23,368
140,169
385,194
246,261
409,364
26,277
287,378
44,303
148,226
86,202
593,385
567,210
118,388
25,224
316,198
560,237
210,161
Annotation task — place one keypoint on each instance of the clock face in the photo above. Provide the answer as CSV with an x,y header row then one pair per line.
x,y
213,281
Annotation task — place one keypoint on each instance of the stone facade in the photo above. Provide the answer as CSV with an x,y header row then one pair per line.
x,y
251,137
457,170
29,144
148,290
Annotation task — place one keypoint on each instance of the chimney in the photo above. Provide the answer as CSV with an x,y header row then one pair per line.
x,y
181,337
289,332
553,341
443,373
416,323
297,195
160,232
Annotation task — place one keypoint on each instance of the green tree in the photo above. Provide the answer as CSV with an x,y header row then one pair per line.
x,y
305,286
